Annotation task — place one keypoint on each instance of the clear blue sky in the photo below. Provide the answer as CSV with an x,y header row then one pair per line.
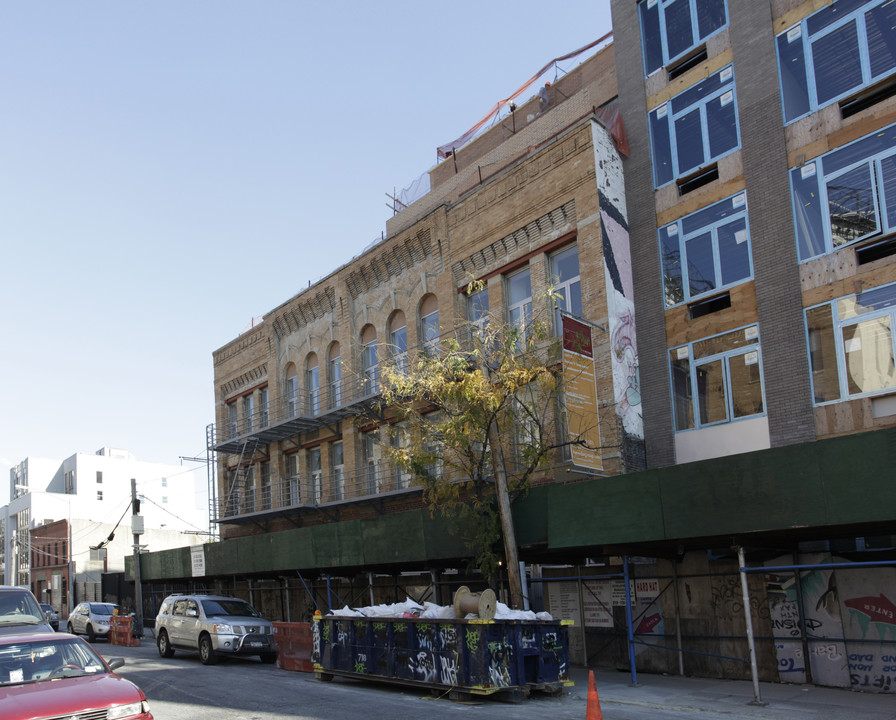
x,y
171,168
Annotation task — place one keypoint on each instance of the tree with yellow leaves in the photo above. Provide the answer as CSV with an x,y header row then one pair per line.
x,y
475,419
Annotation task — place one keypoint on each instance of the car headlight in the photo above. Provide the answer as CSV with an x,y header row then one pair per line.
x,y
226,629
126,711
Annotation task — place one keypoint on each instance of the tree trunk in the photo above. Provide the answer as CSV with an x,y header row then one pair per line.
x,y
506,517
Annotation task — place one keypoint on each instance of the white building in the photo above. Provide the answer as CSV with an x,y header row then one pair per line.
x,y
68,522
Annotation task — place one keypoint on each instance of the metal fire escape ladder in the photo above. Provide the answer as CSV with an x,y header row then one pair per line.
x,y
242,472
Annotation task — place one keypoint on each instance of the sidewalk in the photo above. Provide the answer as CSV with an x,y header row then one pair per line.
x,y
733,698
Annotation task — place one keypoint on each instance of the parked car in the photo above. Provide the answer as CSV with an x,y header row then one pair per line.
x,y
213,625
51,615
20,611
56,675
92,619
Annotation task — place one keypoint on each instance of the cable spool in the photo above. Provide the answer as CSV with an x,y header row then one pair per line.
x,y
484,604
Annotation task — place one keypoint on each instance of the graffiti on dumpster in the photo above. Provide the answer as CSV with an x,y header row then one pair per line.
x,y
500,655
448,670
423,666
361,663
315,640
472,639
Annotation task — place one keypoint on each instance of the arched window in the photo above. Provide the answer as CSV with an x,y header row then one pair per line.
x,y
398,341
369,368
429,325
335,375
292,391
312,383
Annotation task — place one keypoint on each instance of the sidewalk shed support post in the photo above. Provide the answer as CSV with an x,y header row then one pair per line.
x,y
628,620
748,617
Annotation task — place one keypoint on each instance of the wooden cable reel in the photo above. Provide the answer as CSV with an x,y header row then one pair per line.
x,y
484,604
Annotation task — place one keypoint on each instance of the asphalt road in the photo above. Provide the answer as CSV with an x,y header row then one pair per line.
x,y
182,688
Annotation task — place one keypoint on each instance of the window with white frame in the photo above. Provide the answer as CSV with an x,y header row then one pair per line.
x,y
249,498
249,412
315,476
846,195
337,469
369,367
232,420
706,251
400,439
429,325
373,462
477,308
263,416
717,379
398,341
335,377
567,283
265,479
695,128
671,28
312,385
164,482
99,477
519,302
292,488
834,53
99,494
851,351
292,392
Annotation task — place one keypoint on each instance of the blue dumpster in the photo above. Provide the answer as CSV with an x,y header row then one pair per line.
x,y
465,657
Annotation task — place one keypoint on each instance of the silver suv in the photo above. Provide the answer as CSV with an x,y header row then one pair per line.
x,y
213,625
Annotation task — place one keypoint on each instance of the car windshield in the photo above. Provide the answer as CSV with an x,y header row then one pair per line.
x,y
20,608
47,660
102,609
229,607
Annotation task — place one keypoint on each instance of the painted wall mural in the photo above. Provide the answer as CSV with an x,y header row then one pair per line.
x,y
850,622
619,283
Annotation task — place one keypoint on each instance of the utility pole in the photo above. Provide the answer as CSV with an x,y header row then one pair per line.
x,y
137,527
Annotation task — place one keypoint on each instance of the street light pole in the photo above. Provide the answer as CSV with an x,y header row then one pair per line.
x,y
137,528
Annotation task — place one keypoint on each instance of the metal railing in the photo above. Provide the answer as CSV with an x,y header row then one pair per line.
x,y
305,411
316,489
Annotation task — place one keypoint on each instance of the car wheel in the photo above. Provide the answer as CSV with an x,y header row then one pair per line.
x,y
91,635
165,649
206,651
71,630
268,658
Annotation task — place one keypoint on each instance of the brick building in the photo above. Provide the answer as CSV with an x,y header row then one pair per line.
x,y
752,245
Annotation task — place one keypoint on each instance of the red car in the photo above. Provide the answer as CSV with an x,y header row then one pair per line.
x,y
59,675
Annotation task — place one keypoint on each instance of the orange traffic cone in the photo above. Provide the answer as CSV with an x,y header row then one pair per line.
x,y
592,711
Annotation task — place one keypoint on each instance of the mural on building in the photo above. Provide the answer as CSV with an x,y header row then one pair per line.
x,y
619,284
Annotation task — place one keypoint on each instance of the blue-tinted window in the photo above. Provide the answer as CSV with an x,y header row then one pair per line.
x,y
706,251
835,53
846,195
837,64
671,28
717,379
703,127
851,205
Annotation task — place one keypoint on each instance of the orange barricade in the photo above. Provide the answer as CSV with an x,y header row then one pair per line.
x,y
121,631
293,646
